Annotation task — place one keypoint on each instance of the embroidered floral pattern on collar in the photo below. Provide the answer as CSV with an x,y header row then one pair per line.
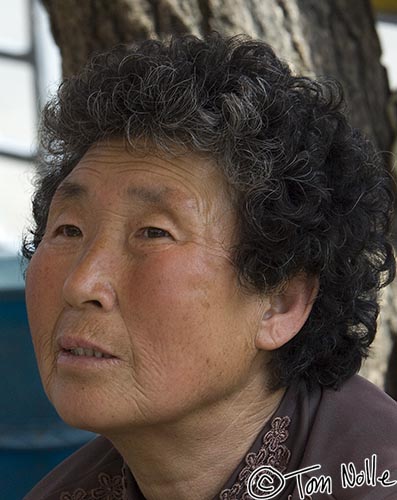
x,y
272,452
109,488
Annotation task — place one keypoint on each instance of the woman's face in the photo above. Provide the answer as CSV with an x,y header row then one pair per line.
x,y
135,264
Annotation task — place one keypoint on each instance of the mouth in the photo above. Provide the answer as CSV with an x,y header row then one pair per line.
x,y
91,353
85,359
78,350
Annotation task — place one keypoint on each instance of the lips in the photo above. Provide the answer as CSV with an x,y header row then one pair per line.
x,y
80,351
83,348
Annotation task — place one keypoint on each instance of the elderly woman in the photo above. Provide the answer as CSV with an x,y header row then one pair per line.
x,y
210,237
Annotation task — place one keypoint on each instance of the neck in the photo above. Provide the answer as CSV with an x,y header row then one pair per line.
x,y
194,457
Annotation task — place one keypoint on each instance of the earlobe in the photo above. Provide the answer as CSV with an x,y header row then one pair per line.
x,y
287,312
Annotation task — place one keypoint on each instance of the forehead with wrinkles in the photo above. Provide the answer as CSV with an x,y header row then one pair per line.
x,y
186,181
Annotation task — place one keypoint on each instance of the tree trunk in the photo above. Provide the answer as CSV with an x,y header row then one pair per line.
x,y
331,38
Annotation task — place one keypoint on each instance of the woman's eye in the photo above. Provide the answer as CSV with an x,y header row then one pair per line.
x,y
68,231
155,232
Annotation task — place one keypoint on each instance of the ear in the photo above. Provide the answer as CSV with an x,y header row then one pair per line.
x,y
287,312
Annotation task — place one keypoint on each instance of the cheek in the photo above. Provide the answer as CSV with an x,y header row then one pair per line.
x,y
180,311
188,272
43,287
176,285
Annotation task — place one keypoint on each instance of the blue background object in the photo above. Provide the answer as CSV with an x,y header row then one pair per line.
x,y
33,439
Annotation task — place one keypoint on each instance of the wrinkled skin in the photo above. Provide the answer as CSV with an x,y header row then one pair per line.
x,y
164,302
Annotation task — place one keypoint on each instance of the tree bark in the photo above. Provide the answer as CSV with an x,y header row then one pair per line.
x,y
331,38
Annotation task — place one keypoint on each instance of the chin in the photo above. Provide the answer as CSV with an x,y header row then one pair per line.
x,y
81,409
79,417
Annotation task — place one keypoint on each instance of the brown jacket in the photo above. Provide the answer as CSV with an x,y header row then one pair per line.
x,y
346,440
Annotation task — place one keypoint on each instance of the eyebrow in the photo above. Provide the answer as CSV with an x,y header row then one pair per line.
x,y
149,195
73,191
68,190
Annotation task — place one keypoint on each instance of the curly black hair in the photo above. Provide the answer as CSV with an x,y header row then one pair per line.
x,y
311,194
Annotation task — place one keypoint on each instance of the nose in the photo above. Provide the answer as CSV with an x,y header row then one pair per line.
x,y
91,280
